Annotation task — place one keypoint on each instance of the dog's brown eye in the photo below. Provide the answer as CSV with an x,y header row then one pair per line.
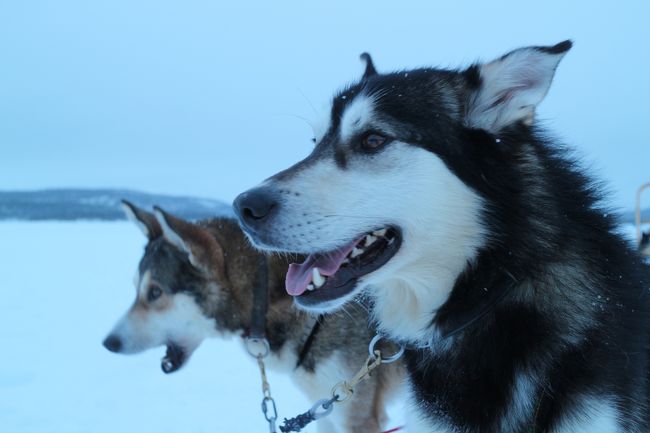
x,y
154,293
373,141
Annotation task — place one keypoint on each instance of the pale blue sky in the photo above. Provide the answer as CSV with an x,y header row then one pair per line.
x,y
204,97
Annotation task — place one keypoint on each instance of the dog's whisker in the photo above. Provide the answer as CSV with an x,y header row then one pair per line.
x,y
350,216
307,99
304,119
345,310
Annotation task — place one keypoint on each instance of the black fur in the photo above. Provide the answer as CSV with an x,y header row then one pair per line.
x,y
540,217
543,214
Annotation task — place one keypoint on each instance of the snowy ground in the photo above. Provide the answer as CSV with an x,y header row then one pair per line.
x,y
63,285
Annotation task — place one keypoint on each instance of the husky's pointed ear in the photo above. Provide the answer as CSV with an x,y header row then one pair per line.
x,y
146,221
203,251
508,90
370,66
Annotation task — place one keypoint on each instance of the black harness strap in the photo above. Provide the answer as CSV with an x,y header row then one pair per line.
x,y
464,317
257,328
309,341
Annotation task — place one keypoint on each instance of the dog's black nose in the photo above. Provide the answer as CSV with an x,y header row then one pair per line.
x,y
113,343
255,206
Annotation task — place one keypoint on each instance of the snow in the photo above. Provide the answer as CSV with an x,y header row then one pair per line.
x,y
63,287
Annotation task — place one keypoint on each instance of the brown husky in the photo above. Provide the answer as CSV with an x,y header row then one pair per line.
x,y
195,281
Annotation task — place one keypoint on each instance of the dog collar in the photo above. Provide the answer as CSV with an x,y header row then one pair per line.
x,y
257,329
457,317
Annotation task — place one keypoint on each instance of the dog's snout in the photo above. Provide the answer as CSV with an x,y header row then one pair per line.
x,y
113,343
255,206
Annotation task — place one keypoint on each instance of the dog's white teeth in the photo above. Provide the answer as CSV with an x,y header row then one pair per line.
x,y
310,287
356,252
379,233
346,261
317,278
167,365
370,239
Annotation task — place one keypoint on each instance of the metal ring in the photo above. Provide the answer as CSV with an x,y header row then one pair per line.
x,y
263,342
340,393
388,360
327,408
265,409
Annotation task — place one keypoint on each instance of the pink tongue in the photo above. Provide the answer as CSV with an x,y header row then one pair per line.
x,y
300,275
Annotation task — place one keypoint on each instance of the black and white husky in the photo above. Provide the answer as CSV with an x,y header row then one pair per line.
x,y
481,244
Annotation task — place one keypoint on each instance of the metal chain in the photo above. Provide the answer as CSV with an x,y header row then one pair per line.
x,y
343,390
266,388
269,409
374,360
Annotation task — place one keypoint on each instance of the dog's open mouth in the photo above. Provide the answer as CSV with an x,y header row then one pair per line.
x,y
331,275
173,359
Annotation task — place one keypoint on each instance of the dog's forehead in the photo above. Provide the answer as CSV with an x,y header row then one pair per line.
x,y
399,96
154,255
357,115
331,116
164,262
350,111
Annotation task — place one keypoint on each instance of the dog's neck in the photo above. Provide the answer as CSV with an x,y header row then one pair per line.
x,y
409,289
233,303
521,247
550,274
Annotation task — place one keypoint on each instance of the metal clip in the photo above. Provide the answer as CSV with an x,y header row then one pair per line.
x,y
325,404
343,390
270,412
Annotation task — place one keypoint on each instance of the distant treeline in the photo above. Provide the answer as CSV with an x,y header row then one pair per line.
x,y
99,204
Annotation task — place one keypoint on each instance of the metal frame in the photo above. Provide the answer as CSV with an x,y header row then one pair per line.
x,y
637,215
